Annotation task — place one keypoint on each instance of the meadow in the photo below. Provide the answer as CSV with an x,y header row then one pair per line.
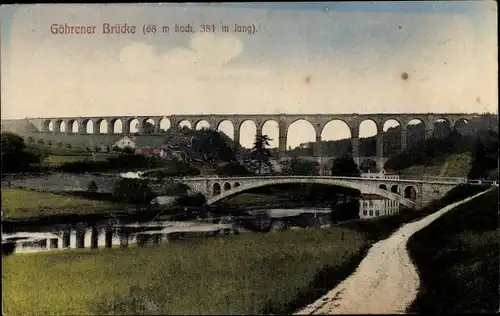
x,y
248,274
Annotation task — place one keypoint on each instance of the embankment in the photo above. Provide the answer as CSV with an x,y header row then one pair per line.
x,y
457,259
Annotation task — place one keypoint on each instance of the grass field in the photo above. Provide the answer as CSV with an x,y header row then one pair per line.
x,y
457,165
18,204
249,273
457,258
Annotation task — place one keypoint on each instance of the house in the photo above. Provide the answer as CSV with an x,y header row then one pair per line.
x,y
374,205
383,174
125,142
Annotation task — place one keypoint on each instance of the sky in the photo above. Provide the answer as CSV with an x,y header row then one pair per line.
x,y
304,58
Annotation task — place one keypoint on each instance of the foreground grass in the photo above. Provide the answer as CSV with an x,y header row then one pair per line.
x,y
250,273
457,258
19,204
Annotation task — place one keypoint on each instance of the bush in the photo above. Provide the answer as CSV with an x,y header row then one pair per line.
x,y
133,191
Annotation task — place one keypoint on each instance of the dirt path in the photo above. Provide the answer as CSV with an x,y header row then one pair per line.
x,y
386,281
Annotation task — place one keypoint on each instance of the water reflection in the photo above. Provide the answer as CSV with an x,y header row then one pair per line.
x,y
116,233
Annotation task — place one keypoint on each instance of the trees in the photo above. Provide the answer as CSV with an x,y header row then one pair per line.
x,y
15,156
345,166
259,156
299,167
485,159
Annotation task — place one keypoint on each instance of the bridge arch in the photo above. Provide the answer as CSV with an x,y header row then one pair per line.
x,y
382,186
395,189
299,133
227,186
88,126
410,192
46,125
102,126
164,124
57,127
442,127
415,131
73,126
216,189
201,124
117,126
248,131
226,127
460,124
298,180
271,129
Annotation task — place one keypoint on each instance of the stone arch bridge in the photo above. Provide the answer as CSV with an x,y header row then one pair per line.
x,y
110,125
410,193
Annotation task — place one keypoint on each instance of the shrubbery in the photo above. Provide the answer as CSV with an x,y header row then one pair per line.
x,y
133,191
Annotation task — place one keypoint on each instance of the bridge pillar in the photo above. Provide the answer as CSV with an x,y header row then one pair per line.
x,y
429,133
125,127
236,137
140,127
404,138
96,126
317,147
111,128
258,131
82,128
380,143
282,140
355,142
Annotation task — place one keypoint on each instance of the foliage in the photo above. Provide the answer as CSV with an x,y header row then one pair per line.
x,y
210,146
299,167
259,156
15,156
148,128
133,191
345,166
484,160
232,169
425,152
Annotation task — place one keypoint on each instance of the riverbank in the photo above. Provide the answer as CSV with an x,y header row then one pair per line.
x,y
457,259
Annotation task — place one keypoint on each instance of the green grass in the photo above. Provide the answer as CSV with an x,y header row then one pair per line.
x,y
457,165
250,273
18,204
457,258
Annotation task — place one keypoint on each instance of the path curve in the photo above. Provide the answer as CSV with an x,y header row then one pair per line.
x,y
386,281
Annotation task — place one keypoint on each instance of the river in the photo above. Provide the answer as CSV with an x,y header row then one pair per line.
x,y
125,231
